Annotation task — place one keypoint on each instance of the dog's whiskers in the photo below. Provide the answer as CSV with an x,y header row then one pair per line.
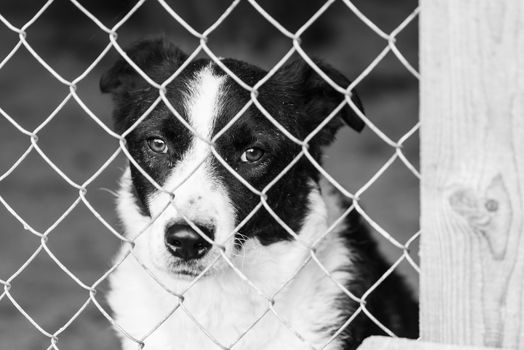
x,y
105,189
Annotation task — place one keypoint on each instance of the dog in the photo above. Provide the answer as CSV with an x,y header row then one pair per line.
x,y
250,217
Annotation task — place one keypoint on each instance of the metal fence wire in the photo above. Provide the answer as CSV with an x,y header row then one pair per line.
x,y
82,188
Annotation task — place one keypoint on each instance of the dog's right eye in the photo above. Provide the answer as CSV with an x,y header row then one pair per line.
x,y
252,155
157,145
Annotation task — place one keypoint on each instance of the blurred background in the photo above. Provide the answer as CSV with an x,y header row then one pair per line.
x,y
69,42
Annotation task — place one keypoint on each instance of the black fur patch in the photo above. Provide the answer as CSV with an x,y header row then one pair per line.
x,y
391,303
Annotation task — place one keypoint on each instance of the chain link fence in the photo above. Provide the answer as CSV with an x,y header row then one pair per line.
x,y
82,188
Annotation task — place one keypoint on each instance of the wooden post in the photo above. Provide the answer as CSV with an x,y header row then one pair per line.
x,y
472,186
472,156
389,343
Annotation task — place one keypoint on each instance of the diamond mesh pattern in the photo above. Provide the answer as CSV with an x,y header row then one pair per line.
x,y
83,187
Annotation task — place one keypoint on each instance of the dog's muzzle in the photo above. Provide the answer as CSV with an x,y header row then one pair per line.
x,y
186,243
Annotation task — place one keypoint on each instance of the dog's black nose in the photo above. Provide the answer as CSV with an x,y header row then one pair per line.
x,y
185,243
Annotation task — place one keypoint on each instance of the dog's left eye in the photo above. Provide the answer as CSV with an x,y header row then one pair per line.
x,y
252,155
157,145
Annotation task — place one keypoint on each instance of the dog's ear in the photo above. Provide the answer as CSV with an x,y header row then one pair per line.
x,y
158,58
320,97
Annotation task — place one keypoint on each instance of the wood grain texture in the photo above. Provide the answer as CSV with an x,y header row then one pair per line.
x,y
472,156
388,343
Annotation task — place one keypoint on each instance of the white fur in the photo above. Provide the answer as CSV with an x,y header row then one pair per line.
x,y
224,304
198,196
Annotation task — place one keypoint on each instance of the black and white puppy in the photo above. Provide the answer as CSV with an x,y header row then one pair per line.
x,y
222,307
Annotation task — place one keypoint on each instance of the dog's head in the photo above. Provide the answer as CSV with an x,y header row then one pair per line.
x,y
219,165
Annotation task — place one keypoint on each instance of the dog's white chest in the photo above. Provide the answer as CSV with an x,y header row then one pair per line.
x,y
225,311
212,325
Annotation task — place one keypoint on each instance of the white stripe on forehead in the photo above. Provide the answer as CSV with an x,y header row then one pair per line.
x,y
202,103
199,195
